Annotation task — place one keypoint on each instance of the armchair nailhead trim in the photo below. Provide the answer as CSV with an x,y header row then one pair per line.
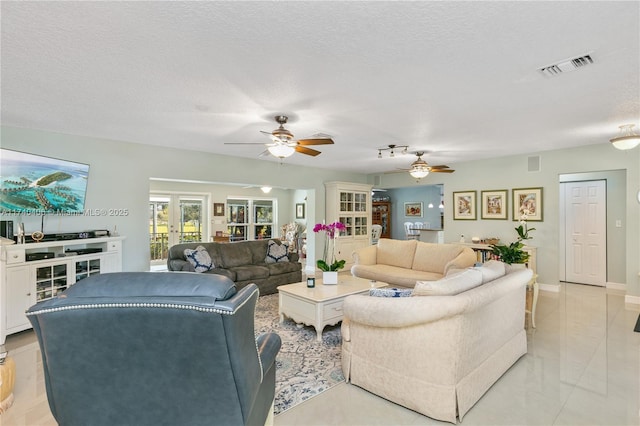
x,y
132,305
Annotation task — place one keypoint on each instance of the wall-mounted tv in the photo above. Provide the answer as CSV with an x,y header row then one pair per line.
x,y
36,184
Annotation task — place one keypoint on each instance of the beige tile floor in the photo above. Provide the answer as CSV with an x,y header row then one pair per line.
x,y
582,368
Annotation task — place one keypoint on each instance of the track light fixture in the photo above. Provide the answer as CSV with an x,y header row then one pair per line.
x,y
392,150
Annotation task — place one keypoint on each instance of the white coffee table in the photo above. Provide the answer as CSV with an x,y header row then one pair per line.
x,y
321,305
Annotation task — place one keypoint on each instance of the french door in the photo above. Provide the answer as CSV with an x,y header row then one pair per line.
x,y
174,219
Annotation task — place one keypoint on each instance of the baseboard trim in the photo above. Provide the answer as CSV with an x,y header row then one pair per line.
x,y
632,300
616,286
553,288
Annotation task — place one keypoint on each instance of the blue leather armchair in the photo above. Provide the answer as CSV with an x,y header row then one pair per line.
x,y
143,348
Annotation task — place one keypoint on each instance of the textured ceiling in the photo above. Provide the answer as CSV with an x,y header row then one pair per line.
x,y
456,79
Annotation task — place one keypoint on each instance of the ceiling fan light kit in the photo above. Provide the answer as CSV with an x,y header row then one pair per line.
x,y
283,145
281,150
627,138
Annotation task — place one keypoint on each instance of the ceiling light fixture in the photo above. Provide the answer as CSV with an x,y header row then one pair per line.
x,y
441,206
265,189
392,150
627,139
281,150
419,168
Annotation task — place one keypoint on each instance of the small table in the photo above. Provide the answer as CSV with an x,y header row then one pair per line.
x,y
322,304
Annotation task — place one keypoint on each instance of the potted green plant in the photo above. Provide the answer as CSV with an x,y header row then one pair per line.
x,y
513,253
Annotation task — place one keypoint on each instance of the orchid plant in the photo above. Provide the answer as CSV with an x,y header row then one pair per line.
x,y
328,262
513,253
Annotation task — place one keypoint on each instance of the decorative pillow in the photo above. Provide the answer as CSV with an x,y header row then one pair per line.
x,y
449,285
390,292
276,252
199,258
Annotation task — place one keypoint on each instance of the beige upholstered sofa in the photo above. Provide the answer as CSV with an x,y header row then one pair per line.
x,y
403,262
436,355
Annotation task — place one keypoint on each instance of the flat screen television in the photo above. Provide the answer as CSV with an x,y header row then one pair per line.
x,y
36,184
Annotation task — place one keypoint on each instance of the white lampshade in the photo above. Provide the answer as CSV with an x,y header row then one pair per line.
x,y
627,139
281,150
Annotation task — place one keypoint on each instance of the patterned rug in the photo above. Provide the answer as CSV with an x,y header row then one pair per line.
x,y
304,367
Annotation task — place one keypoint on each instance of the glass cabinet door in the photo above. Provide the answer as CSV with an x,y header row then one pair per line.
x,y
50,281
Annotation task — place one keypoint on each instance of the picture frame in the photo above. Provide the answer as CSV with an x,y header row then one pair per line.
x,y
218,209
464,205
495,204
300,211
413,209
529,201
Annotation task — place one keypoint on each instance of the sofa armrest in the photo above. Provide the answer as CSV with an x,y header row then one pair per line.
x,y
365,255
293,256
396,312
467,257
180,265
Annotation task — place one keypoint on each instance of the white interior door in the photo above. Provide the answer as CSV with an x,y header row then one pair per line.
x,y
586,232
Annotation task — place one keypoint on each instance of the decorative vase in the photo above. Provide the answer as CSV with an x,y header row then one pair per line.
x,y
330,277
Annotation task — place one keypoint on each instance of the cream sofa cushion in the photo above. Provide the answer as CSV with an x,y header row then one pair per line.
x,y
393,275
450,285
434,257
398,253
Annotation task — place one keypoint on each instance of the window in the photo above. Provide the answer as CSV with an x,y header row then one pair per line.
x,y
250,219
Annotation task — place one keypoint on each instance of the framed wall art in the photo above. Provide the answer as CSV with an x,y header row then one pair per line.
x,y
494,204
218,209
299,210
413,209
527,201
464,205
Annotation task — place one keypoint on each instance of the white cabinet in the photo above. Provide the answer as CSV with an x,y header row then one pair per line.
x,y
349,203
35,272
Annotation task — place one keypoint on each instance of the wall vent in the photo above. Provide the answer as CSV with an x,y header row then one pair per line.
x,y
566,66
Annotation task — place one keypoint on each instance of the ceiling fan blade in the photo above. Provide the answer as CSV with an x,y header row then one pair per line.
x,y
440,167
244,143
307,151
442,171
315,141
266,133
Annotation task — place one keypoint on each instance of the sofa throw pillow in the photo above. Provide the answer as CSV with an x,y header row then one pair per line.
x,y
276,252
449,285
390,292
199,258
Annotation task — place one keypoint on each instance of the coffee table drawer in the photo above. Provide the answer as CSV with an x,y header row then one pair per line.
x,y
332,310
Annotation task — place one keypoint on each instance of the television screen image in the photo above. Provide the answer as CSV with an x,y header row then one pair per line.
x,y
36,184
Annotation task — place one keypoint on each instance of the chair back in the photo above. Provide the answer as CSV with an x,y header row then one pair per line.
x,y
410,232
376,231
143,348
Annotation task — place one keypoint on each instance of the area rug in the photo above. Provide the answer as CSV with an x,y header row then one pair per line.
x,y
304,366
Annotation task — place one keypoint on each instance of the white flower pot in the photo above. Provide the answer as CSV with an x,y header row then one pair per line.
x,y
330,277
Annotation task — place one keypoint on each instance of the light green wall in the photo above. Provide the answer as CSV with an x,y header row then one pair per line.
x,y
120,178
120,174
511,172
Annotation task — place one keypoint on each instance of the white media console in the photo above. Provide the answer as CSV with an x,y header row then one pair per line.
x,y
35,272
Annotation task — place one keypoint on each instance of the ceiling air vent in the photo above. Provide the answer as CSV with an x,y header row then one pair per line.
x,y
566,65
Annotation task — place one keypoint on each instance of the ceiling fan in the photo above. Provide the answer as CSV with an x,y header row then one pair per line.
x,y
419,168
283,144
